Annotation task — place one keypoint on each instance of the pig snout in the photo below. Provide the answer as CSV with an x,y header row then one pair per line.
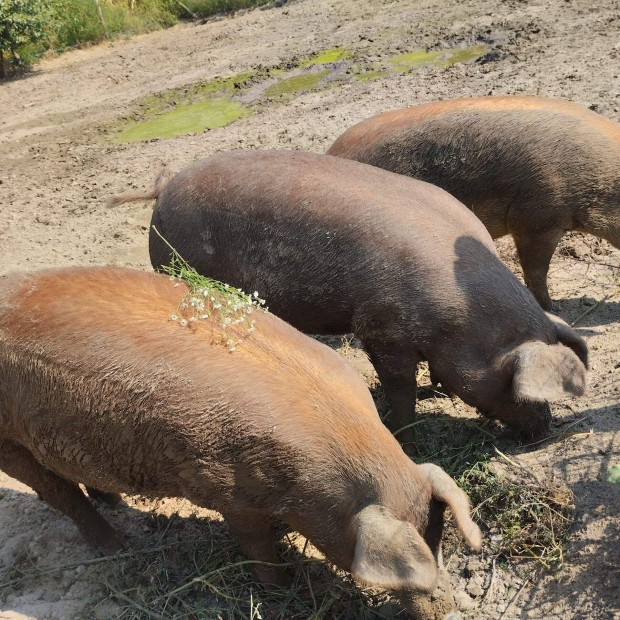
x,y
530,421
438,605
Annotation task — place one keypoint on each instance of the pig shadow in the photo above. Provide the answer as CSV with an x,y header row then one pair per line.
x,y
174,566
588,313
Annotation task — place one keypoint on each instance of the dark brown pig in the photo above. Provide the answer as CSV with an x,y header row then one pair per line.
x,y
99,386
531,167
336,246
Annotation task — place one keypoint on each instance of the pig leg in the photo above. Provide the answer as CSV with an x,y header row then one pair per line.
x,y
396,370
111,499
61,494
256,536
535,249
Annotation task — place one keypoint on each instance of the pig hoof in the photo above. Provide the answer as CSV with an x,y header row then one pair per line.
x,y
107,543
112,547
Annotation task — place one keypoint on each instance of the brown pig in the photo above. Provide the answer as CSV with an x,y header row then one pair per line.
x,y
98,385
337,246
530,167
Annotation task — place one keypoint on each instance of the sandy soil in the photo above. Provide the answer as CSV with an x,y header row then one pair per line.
x,y
58,165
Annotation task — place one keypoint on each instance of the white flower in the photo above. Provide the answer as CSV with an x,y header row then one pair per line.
x,y
256,294
182,322
174,317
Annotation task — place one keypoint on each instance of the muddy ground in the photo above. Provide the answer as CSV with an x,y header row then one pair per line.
x,y
59,162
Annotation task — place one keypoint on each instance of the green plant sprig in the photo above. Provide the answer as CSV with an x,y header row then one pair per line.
x,y
207,295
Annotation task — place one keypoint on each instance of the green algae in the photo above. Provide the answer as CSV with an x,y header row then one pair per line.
x,y
184,119
438,58
169,99
188,109
295,84
211,104
419,58
367,76
327,56
466,54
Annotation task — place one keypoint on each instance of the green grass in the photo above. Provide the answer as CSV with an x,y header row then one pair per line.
x,y
523,517
75,23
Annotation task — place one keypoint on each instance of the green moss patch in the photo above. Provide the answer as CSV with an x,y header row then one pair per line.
x,y
296,84
327,56
439,58
184,119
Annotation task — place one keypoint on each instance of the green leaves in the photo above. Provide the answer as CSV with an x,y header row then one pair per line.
x,y
21,22
613,474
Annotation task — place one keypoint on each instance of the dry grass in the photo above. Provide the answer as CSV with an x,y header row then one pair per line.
x,y
211,579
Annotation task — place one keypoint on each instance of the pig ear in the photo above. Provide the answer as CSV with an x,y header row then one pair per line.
x,y
546,372
447,491
570,338
390,553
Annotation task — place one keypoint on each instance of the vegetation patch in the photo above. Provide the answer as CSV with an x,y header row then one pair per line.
x,y
523,517
326,57
439,58
212,579
528,519
371,74
31,28
207,297
191,109
212,104
196,570
184,119
296,84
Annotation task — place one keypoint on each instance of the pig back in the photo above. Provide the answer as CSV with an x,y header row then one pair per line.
x,y
509,159
318,236
103,388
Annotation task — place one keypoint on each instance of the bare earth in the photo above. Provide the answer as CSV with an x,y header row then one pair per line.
x,y
58,165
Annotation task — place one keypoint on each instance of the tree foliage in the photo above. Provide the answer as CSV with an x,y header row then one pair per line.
x,y
21,22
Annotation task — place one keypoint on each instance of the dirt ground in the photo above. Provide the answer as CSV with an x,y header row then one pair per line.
x,y
58,164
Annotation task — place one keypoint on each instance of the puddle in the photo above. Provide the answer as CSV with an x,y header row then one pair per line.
x,y
295,84
184,119
189,109
219,102
439,58
327,56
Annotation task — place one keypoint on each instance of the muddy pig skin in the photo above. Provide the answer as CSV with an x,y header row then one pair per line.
x,y
337,246
99,386
530,167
